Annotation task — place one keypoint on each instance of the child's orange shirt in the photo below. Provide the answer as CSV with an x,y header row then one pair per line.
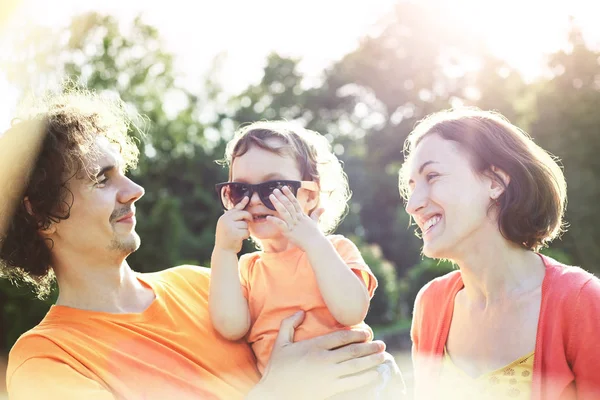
x,y
279,284
168,351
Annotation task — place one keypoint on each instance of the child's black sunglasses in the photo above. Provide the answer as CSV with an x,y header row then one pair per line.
x,y
231,193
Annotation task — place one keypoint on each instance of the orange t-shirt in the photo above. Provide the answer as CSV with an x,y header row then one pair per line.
x,y
279,284
168,351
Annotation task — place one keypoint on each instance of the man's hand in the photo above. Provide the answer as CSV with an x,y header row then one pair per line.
x,y
232,228
321,367
394,387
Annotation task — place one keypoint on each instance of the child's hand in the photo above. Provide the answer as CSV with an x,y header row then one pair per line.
x,y
232,227
293,223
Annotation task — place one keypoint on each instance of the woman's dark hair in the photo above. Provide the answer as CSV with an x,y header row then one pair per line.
x,y
70,124
531,209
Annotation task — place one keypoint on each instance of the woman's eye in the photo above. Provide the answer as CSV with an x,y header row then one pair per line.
x,y
102,181
431,175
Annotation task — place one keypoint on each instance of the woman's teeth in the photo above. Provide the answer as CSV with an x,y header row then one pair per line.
x,y
431,222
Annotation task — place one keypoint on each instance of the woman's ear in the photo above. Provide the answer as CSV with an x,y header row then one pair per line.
x,y
499,182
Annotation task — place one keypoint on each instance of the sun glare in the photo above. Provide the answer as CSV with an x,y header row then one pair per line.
x,y
522,32
317,31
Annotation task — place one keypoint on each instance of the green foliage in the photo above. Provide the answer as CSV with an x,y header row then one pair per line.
x,y
385,302
417,276
20,310
566,124
558,254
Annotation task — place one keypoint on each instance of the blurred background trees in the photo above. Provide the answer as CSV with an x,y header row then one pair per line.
x,y
366,103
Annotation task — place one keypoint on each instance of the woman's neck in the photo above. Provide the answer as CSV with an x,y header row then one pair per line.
x,y
497,270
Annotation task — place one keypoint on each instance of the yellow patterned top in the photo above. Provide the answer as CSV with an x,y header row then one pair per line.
x,y
510,382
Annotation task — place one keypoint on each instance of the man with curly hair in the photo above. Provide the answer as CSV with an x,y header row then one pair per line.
x,y
69,215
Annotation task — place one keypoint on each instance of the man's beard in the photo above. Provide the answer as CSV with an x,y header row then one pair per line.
x,y
126,245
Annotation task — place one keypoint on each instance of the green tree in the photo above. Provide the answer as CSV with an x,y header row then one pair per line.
x,y
419,275
384,308
566,122
415,65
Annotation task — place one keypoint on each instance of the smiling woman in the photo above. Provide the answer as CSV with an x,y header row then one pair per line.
x,y
526,185
509,322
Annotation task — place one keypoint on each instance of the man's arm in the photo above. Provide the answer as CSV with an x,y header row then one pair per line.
x,y
45,378
321,367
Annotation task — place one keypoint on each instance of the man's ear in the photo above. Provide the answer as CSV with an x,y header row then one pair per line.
x,y
47,231
499,181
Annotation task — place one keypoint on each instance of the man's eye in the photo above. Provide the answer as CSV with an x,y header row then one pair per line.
x,y
102,181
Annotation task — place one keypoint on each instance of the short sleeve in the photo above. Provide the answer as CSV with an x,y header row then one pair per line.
x,y
46,378
352,257
36,359
245,265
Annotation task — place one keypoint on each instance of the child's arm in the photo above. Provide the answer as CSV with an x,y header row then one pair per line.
x,y
344,293
228,308
227,305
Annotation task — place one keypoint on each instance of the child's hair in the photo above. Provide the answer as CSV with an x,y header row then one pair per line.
x,y
315,160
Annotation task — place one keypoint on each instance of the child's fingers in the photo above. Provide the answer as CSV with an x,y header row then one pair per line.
x,y
316,214
278,222
244,233
240,215
241,224
246,216
281,208
242,204
293,200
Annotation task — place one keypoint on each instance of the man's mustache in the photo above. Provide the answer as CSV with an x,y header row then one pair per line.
x,y
117,214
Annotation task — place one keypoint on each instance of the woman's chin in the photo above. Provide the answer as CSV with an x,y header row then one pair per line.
x,y
434,249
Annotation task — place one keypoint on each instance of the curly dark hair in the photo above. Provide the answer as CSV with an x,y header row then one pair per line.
x,y
71,122
531,209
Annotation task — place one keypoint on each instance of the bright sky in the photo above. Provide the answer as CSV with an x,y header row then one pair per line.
x,y
320,31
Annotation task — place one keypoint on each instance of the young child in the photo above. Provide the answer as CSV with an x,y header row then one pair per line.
x,y
287,191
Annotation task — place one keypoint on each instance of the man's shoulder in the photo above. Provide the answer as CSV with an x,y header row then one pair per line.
x,y
36,343
180,273
183,279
